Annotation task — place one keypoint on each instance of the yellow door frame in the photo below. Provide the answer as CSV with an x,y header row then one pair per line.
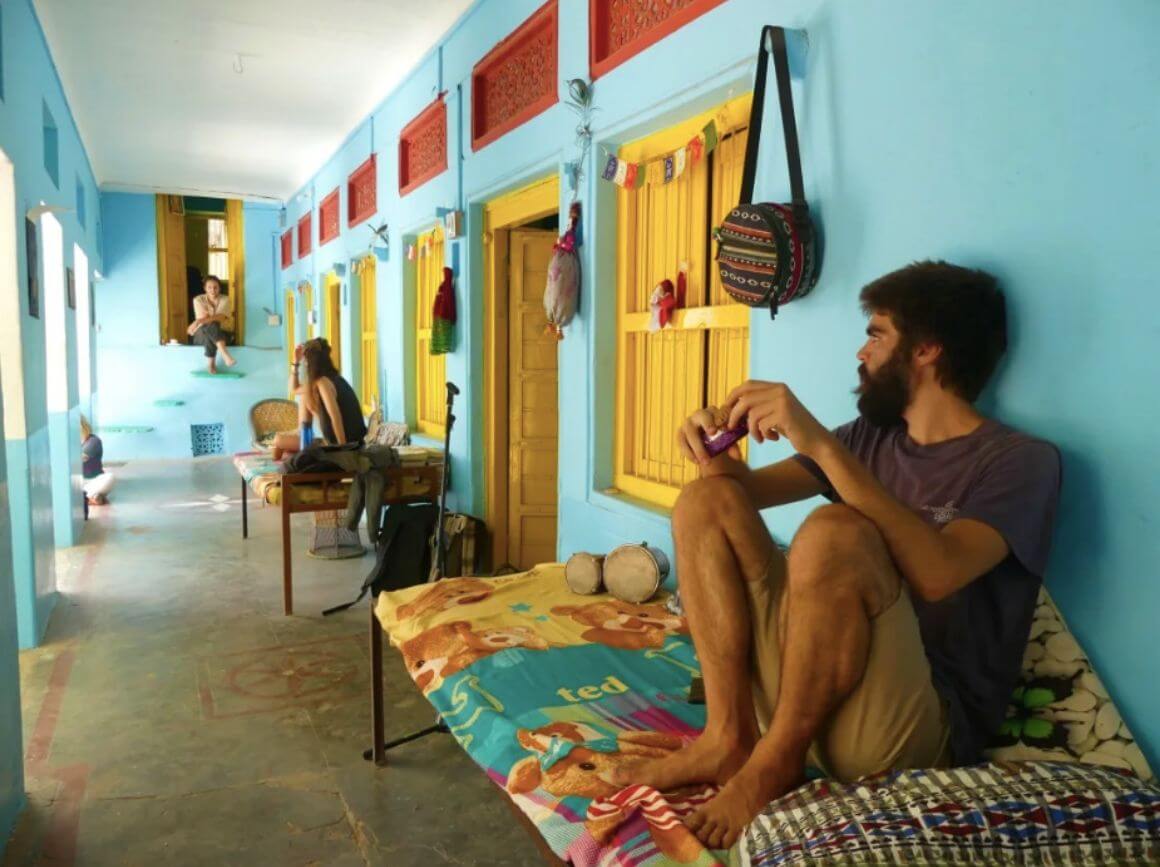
x,y
539,199
291,337
308,307
332,327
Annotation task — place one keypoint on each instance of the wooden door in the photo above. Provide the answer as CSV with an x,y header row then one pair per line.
x,y
176,310
333,302
532,403
368,330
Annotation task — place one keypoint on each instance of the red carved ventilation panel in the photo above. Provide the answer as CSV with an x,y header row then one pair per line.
x,y
287,248
361,194
622,28
328,218
304,231
423,147
517,79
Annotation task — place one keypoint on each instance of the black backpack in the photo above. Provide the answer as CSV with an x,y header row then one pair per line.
x,y
403,552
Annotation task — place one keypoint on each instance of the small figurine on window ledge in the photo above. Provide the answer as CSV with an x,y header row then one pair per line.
x,y
661,305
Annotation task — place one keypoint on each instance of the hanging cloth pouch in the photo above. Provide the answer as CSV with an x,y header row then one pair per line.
x,y
443,316
767,253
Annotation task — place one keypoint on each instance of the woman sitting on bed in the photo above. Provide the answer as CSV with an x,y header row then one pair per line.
x,y
324,395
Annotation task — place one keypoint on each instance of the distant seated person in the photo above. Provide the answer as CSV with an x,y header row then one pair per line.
x,y
325,396
97,482
212,322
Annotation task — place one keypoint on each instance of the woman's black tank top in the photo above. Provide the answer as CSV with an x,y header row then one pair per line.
x,y
351,410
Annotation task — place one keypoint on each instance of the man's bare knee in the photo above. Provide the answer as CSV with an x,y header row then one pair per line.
x,y
839,527
707,500
835,538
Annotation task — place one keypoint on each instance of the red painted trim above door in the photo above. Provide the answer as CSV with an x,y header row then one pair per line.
x,y
361,193
305,232
328,218
620,29
516,80
423,147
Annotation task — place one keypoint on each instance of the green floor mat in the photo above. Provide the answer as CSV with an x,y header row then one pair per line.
x,y
169,403
221,374
125,428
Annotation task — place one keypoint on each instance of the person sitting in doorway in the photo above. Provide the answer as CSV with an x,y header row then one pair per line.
x,y
326,396
97,482
892,634
212,322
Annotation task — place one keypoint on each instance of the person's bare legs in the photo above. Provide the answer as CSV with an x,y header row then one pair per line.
x,y
290,441
840,577
225,353
721,543
212,366
285,443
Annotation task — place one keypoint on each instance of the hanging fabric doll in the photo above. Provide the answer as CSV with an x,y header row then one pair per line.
x,y
661,305
562,293
443,316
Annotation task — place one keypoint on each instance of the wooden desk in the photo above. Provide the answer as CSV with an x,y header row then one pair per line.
x,y
335,488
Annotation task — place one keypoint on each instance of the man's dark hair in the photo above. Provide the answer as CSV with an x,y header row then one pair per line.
x,y
960,309
316,352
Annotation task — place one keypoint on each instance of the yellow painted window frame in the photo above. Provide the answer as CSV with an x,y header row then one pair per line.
x,y
368,336
430,370
704,352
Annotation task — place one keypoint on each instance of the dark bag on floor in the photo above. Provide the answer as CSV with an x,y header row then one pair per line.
x,y
463,541
767,253
403,553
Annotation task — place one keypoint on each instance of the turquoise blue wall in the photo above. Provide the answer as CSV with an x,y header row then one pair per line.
x,y
1008,137
128,341
11,752
44,495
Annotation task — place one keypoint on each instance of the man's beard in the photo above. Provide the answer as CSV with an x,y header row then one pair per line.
x,y
884,395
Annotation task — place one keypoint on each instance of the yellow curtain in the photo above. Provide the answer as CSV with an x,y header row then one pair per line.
x,y
237,246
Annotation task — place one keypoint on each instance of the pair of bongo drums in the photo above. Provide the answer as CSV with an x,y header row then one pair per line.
x,y
631,573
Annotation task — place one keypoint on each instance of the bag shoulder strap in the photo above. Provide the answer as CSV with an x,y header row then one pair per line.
x,y
776,37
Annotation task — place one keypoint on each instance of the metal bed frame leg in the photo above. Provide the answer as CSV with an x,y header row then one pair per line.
x,y
377,752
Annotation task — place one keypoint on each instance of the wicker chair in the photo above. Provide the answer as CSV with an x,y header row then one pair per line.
x,y
270,417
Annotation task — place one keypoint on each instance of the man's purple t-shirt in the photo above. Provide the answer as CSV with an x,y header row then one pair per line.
x,y
975,637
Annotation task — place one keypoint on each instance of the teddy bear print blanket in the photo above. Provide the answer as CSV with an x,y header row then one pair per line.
x,y
549,691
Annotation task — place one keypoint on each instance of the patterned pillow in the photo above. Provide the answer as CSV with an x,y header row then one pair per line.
x,y
1061,710
995,813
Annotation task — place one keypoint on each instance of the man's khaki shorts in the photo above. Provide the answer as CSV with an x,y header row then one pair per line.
x,y
892,719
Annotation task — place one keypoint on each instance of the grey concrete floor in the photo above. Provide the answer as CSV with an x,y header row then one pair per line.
x,y
175,716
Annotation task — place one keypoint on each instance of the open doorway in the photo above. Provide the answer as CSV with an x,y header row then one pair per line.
x,y
521,381
84,334
198,237
55,318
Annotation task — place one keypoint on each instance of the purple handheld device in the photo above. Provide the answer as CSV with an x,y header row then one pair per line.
x,y
723,440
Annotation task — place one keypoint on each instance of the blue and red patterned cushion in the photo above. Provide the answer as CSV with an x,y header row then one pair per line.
x,y
997,813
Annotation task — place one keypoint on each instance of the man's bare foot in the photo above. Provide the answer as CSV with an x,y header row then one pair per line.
x,y
229,359
708,759
213,365
719,823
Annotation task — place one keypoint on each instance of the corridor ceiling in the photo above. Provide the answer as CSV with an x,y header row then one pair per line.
x,y
240,98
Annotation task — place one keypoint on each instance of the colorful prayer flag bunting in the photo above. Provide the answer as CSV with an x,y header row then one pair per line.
x,y
664,169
